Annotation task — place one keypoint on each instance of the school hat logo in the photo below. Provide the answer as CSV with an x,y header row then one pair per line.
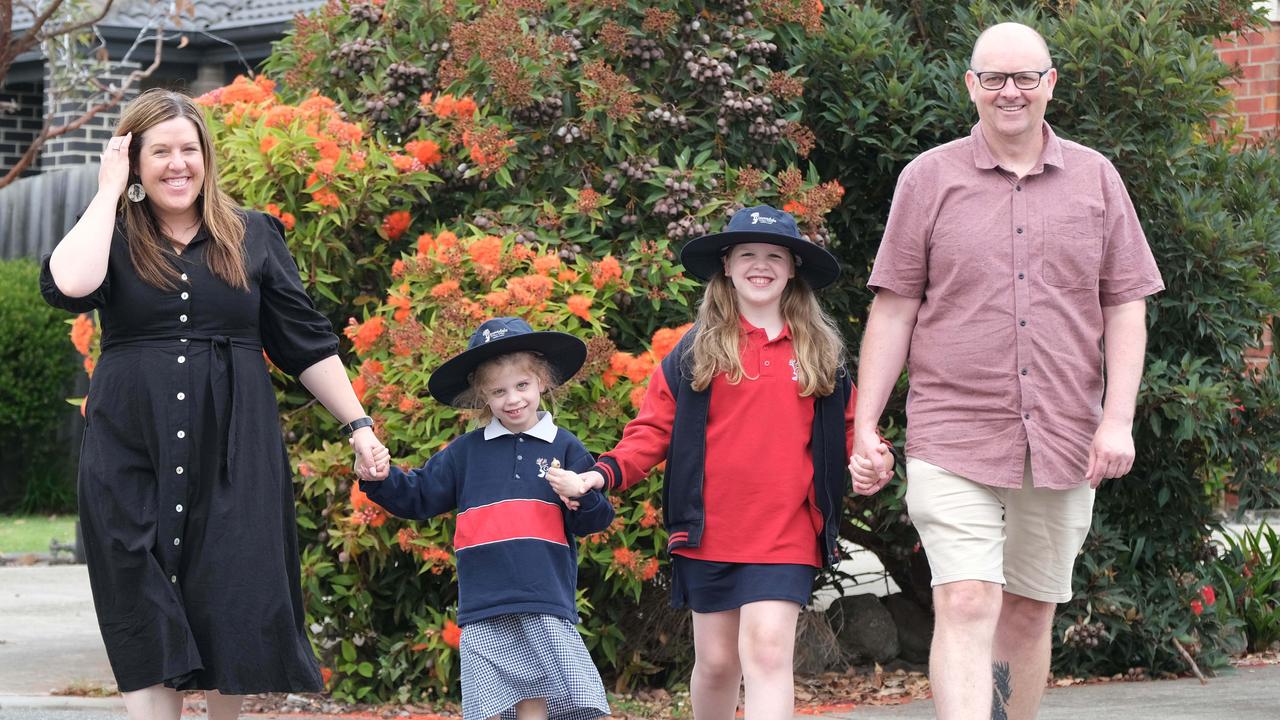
x,y
494,334
761,224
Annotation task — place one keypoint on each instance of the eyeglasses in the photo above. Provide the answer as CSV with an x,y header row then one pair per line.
x,y
1023,79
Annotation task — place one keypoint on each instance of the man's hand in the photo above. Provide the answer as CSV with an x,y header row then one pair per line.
x,y
1111,454
871,464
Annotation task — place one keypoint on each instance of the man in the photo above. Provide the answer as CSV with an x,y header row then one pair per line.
x,y
1012,268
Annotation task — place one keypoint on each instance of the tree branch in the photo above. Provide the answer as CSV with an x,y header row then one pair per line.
x,y
35,34
50,131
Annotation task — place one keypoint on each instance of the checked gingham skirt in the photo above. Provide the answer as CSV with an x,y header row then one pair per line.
x,y
510,658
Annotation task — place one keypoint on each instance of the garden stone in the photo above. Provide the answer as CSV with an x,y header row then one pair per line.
x,y
864,628
915,627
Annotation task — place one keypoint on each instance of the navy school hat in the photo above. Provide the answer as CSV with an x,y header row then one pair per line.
x,y
500,336
761,224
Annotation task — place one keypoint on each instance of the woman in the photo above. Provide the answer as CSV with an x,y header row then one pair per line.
x,y
186,496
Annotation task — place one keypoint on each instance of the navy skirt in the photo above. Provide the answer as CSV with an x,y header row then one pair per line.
x,y
706,586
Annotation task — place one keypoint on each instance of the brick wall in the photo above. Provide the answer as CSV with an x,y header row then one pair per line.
x,y
84,144
18,127
1257,88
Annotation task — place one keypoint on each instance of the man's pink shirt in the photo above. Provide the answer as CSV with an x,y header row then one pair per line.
x,y
1012,275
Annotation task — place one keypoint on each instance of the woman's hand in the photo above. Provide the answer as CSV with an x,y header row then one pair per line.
x,y
373,460
113,173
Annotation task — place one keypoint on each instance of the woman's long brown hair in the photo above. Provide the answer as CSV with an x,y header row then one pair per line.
x,y
222,219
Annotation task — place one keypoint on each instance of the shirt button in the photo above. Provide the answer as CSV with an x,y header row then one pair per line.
x,y
1018,188
183,340
182,396
178,508
1020,276
179,470
184,276
1024,371
182,434
519,457
1023,323
183,318
517,476
766,363
176,542
186,295
520,439
182,358
1019,231
1026,416
173,579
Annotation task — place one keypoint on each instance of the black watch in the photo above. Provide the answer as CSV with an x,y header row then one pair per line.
x,y
361,422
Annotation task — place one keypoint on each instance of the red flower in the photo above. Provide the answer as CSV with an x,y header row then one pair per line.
x,y
364,335
602,271
1196,608
82,333
396,223
367,512
624,557
1208,594
451,634
325,675
581,306
427,152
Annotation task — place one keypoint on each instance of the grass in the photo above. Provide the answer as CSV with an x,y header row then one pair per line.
x,y
32,533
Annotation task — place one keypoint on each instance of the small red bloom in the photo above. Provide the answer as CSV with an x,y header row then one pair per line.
x,y
1208,594
451,634
1196,608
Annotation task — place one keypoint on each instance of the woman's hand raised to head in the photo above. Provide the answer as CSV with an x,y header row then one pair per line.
x,y
113,174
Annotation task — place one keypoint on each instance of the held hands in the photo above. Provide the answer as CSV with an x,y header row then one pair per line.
x,y
113,173
1111,454
871,464
570,485
373,460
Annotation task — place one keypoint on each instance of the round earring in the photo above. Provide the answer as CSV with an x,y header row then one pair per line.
x,y
135,193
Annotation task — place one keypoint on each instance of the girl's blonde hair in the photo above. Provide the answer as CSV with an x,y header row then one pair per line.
x,y
219,213
716,349
474,396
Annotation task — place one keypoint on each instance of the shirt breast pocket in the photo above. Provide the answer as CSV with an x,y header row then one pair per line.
x,y
1072,251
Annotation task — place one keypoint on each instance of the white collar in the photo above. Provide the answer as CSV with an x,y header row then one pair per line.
x,y
544,429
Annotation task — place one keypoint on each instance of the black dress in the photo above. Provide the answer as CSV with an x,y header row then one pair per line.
x,y
185,489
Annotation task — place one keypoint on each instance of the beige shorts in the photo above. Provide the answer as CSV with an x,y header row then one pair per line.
x,y
1023,538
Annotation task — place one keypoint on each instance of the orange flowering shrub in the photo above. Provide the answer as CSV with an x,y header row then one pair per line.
x,y
445,286
438,164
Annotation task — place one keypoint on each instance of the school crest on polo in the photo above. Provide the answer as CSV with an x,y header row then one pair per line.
x,y
795,369
543,466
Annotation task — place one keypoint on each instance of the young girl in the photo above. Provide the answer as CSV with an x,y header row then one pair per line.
x,y
753,412
522,656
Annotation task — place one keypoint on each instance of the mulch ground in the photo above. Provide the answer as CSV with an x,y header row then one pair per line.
x,y
815,695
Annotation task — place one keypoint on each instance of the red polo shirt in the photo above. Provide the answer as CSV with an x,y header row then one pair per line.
x,y
758,484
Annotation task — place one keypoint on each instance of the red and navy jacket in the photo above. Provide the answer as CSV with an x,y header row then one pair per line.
x,y
514,539
684,511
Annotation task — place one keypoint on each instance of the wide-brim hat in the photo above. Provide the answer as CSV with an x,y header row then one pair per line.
x,y
761,224
500,336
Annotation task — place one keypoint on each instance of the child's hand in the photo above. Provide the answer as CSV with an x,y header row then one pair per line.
x,y
567,483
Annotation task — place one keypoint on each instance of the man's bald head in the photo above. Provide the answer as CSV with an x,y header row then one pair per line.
x,y
1004,36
